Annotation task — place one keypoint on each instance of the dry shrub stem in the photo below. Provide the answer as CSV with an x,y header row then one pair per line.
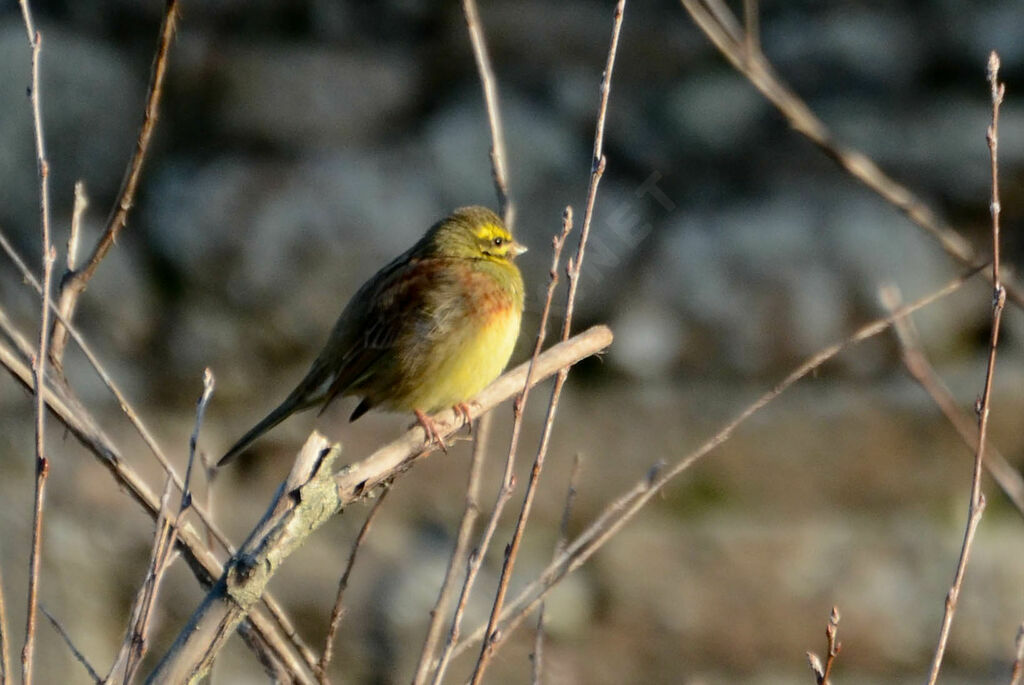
x,y
5,661
42,465
79,657
833,646
537,657
499,168
487,648
976,506
719,24
1017,670
459,558
338,611
311,495
625,507
277,633
74,281
1006,476
135,642
270,634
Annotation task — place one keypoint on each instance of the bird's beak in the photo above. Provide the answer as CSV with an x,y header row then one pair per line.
x,y
516,248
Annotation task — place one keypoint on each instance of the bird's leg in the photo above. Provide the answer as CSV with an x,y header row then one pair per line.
x,y
431,429
462,409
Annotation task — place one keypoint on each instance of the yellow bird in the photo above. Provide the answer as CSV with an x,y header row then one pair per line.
x,y
430,330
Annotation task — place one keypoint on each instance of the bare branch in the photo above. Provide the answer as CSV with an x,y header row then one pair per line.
x,y
75,281
311,496
719,24
573,271
42,466
1017,672
563,535
1006,476
458,557
204,561
79,657
508,480
337,612
625,507
5,662
976,507
823,671
499,170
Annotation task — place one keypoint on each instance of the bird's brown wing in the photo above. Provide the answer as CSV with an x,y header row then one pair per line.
x,y
370,335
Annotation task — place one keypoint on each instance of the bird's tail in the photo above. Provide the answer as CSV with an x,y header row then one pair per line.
x,y
283,411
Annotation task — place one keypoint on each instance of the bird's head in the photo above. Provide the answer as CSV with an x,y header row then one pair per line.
x,y
474,233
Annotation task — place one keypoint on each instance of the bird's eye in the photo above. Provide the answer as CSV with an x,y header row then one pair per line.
x,y
498,242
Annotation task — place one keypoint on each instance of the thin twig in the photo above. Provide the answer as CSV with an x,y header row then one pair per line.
x,y
74,237
42,466
79,657
296,515
5,661
119,469
720,25
337,612
621,510
458,558
752,32
1006,476
573,271
74,282
499,170
976,507
563,535
823,671
1017,672
268,635
508,480
136,637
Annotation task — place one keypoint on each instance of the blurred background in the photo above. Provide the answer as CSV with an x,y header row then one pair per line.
x,y
301,145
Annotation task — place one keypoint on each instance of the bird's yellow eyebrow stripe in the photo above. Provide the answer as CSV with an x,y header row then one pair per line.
x,y
488,229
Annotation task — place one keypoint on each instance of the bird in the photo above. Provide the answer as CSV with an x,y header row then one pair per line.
x,y
428,331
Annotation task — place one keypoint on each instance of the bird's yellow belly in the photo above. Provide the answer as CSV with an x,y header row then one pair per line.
x,y
470,365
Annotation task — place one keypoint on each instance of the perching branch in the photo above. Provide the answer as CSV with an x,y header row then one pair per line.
x,y
312,495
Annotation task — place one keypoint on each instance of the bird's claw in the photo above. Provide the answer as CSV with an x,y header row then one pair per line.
x,y
432,431
462,409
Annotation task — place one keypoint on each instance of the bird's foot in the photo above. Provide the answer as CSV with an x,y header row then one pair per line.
x,y
462,409
432,431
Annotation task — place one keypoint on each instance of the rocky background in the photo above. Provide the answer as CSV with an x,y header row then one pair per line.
x,y
303,144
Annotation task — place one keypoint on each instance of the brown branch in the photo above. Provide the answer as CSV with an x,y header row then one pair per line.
x,y
204,562
476,559
499,170
102,447
337,612
75,652
458,558
563,535
135,644
75,281
1006,476
628,504
573,270
976,506
5,662
312,495
1017,671
42,466
822,672
718,23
